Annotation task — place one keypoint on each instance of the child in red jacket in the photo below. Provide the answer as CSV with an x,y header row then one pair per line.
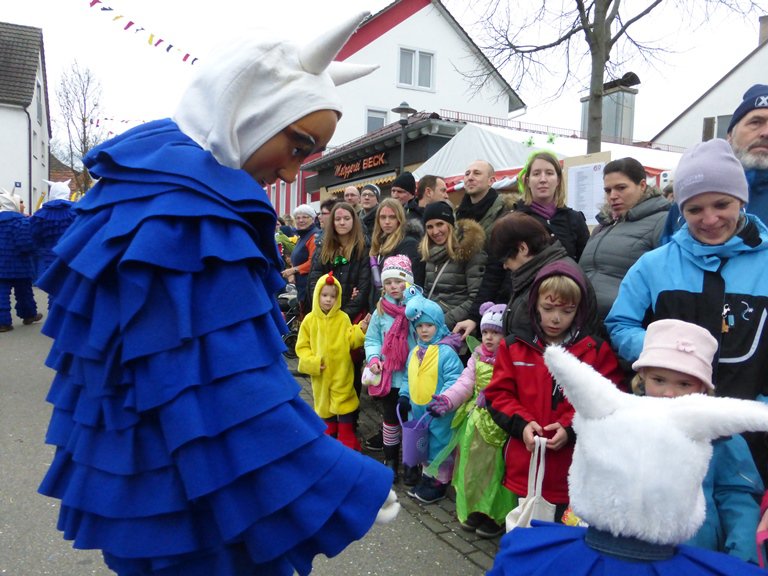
x,y
523,398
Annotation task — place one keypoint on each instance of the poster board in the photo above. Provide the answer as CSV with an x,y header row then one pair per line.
x,y
583,177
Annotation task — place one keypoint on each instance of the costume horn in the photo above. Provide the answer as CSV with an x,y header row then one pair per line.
x,y
343,72
705,418
318,54
593,395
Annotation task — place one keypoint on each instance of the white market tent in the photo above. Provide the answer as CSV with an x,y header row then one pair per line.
x,y
507,150
501,147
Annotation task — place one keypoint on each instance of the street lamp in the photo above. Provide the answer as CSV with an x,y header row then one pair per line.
x,y
404,110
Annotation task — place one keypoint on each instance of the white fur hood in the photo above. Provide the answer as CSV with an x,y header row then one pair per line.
x,y
639,462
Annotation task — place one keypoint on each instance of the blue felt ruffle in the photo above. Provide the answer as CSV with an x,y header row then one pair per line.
x,y
553,550
15,246
182,445
48,225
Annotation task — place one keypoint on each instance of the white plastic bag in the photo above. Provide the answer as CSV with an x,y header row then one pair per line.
x,y
533,506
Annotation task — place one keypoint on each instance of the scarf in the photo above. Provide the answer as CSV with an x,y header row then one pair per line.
x,y
476,211
395,346
545,211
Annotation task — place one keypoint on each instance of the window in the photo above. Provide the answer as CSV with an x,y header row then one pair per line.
x,y
376,120
722,125
416,69
39,95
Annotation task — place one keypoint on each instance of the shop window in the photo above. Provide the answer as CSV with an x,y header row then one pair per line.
x,y
416,69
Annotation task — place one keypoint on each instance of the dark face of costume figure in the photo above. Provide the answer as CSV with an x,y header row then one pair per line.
x,y
281,156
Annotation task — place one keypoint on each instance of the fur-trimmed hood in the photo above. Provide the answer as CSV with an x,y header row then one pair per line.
x,y
414,228
471,239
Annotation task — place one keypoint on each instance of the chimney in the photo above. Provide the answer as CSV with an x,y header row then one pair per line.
x,y
763,30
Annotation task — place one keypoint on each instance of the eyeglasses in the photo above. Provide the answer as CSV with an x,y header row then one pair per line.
x,y
323,213
368,195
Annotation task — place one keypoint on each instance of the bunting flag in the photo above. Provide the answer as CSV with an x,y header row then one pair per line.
x,y
151,38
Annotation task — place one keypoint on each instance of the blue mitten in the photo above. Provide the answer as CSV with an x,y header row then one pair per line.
x,y
440,405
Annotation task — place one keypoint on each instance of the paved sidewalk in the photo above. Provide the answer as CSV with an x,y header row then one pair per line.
x,y
439,517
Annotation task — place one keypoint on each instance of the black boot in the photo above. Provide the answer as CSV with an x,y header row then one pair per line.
x,y
392,460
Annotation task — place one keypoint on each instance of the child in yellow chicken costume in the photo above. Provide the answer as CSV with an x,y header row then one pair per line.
x,y
325,339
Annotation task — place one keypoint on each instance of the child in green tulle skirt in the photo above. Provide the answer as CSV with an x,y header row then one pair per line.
x,y
482,502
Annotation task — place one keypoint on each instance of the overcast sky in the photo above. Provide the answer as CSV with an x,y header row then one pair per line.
x,y
142,82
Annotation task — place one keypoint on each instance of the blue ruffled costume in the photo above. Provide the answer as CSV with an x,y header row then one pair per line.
x,y
15,267
554,550
182,445
48,226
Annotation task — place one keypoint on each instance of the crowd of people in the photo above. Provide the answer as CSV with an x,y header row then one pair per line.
x,y
504,327
549,280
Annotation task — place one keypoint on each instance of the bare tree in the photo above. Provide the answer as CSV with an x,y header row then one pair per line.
x,y
560,27
79,96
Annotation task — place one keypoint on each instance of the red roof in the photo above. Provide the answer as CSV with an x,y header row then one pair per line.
x,y
381,23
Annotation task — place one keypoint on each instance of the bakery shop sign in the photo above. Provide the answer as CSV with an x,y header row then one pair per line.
x,y
346,170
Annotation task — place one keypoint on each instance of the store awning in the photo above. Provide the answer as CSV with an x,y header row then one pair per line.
x,y
378,179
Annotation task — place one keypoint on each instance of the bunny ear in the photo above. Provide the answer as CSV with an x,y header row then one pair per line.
x,y
319,53
593,395
705,418
48,182
343,72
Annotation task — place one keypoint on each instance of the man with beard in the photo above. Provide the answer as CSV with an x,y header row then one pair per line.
x,y
748,136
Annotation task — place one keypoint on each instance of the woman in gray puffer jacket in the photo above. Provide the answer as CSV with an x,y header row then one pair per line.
x,y
630,224
453,254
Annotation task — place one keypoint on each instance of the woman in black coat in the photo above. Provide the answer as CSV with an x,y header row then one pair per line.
x,y
343,250
541,182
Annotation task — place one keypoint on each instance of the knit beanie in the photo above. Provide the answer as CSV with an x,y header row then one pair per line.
x,y
439,211
491,317
397,266
251,90
373,188
679,346
406,181
710,167
755,97
304,210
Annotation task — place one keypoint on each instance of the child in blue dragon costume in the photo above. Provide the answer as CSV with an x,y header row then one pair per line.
x,y
432,367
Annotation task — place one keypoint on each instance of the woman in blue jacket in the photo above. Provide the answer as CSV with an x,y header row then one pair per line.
x,y
713,273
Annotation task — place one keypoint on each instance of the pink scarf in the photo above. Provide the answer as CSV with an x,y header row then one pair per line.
x,y
395,346
545,211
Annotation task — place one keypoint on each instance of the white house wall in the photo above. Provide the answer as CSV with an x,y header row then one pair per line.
x,y
15,139
721,100
13,149
429,31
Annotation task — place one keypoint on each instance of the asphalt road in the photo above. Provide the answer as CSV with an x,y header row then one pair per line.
x,y
30,545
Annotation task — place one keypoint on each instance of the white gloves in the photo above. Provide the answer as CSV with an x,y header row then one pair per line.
x,y
389,509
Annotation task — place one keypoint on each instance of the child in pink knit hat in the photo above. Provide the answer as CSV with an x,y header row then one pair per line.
x,y
387,343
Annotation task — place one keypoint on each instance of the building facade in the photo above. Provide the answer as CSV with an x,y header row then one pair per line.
x,y
24,113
